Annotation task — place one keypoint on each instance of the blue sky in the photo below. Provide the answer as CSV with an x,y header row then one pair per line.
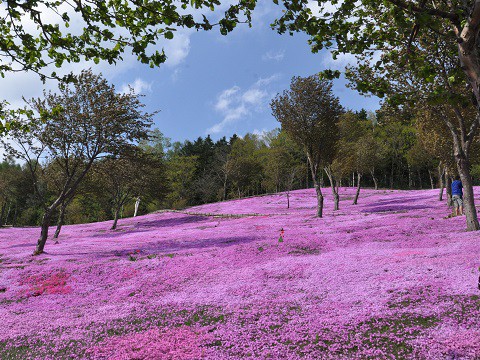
x,y
213,84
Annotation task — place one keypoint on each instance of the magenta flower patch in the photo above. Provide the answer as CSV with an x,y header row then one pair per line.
x,y
393,277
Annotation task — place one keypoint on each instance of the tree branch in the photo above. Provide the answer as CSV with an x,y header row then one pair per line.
x,y
420,10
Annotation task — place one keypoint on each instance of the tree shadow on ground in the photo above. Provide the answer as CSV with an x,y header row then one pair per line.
x,y
149,225
162,248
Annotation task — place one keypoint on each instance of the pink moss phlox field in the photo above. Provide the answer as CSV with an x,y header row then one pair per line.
x,y
154,344
390,278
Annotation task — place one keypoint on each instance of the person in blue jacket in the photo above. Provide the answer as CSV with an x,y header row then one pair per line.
x,y
457,196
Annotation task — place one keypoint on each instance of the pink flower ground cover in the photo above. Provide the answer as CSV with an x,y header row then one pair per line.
x,y
389,278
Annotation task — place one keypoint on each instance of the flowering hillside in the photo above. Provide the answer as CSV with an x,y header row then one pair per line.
x,y
389,278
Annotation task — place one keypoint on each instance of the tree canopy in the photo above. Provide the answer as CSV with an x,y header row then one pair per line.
x,y
39,33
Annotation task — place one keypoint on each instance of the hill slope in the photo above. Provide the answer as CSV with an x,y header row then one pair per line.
x,y
388,278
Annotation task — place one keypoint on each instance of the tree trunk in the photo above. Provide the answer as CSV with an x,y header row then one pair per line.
x,y
14,221
306,178
61,221
441,173
409,177
359,177
336,198
431,179
468,200
8,214
419,179
449,189
288,200
467,39
224,190
44,232
375,181
137,203
391,177
318,191
2,214
115,220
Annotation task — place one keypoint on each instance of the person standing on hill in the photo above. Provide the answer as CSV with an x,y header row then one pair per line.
x,y
457,196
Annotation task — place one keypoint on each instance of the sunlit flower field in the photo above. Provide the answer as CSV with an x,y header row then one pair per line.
x,y
390,278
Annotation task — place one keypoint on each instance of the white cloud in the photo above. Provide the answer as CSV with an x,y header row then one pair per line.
x,y
235,104
139,86
276,56
254,96
225,99
178,48
340,62
267,81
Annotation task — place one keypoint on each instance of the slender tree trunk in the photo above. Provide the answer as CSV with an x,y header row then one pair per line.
x,y
449,189
441,174
375,181
288,199
409,177
115,220
336,198
318,191
225,189
306,178
61,221
468,202
2,215
467,40
391,177
8,214
432,185
46,219
137,203
419,179
359,177
14,221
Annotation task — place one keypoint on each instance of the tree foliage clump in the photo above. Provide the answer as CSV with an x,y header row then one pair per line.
x,y
76,126
309,114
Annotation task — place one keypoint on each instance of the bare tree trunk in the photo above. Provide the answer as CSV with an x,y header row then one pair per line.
x,y
419,179
468,203
44,232
8,214
441,174
288,199
431,179
137,203
336,198
61,220
375,181
449,189
318,191
2,214
467,39
359,177
225,189
14,216
409,177
115,220
306,178
391,177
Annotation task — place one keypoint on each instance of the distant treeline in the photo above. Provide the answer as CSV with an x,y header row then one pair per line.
x,y
203,171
